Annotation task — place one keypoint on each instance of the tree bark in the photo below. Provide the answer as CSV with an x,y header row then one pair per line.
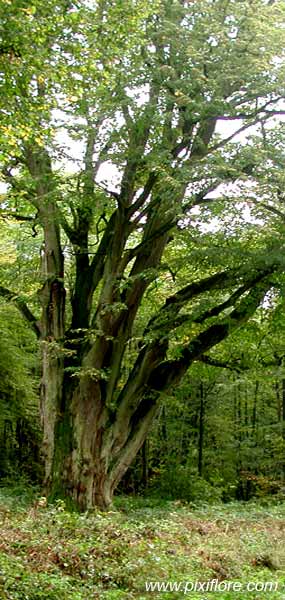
x,y
283,424
201,431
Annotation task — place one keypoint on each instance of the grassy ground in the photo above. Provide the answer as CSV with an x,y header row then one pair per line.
x,y
48,553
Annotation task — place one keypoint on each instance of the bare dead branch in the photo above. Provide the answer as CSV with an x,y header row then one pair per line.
x,y
23,308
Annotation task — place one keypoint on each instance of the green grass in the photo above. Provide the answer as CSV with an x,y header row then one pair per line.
x,y
51,554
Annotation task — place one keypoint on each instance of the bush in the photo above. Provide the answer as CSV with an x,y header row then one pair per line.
x,y
178,482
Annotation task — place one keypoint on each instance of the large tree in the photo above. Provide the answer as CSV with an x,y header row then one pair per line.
x,y
113,130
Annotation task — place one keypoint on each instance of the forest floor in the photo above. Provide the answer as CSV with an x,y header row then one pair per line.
x,y
206,553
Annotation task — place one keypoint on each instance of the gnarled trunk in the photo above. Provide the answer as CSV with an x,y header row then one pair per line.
x,y
85,459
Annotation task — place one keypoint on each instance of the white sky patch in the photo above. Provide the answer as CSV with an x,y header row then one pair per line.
x,y
109,176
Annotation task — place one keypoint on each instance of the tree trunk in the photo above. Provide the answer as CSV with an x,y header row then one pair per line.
x,y
144,465
283,424
75,467
201,431
87,455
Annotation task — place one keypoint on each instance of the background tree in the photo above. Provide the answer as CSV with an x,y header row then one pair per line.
x,y
20,435
20,432
242,441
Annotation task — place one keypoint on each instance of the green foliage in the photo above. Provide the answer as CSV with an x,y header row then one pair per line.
x,y
179,482
238,447
19,414
17,357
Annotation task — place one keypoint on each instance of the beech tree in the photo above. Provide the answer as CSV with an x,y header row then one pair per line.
x,y
111,134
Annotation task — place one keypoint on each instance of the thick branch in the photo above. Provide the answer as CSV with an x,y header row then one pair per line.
x,y
88,279
170,372
174,303
167,317
97,264
152,179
